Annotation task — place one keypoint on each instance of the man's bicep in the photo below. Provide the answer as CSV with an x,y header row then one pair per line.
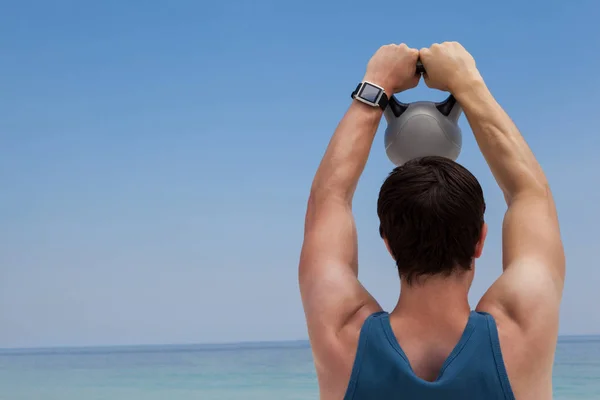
x,y
333,299
530,289
527,295
328,271
329,234
531,231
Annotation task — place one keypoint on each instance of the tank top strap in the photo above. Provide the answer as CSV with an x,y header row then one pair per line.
x,y
370,332
497,352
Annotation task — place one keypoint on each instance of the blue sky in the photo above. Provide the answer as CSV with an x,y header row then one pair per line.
x,y
156,157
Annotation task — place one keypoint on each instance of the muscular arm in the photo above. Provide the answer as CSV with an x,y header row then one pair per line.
x,y
335,303
328,271
530,289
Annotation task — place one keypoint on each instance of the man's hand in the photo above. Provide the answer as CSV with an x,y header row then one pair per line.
x,y
393,67
449,67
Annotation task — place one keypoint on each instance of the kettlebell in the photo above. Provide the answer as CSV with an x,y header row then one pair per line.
x,y
422,128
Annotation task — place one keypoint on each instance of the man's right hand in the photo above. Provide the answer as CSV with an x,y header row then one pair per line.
x,y
393,67
449,67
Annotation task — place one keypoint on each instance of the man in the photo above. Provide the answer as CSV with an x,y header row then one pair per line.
x,y
432,346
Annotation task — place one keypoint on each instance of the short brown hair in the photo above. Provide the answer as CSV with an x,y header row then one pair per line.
x,y
431,214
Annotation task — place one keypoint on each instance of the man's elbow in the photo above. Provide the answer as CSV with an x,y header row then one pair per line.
x,y
527,186
324,196
335,188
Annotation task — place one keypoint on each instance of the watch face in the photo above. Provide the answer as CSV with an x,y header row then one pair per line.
x,y
369,93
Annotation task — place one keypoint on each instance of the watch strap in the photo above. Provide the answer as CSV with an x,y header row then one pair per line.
x,y
384,101
353,95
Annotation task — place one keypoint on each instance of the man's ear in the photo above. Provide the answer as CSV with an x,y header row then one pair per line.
x,y
480,243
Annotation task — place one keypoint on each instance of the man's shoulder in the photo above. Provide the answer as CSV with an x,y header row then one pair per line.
x,y
344,344
336,354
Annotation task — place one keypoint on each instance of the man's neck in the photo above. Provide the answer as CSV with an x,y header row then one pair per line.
x,y
434,298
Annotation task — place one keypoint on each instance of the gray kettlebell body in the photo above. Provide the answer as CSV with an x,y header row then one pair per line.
x,y
423,128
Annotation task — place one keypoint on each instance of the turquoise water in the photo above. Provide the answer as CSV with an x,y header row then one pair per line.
x,y
265,371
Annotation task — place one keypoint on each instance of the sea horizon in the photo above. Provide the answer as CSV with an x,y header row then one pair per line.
x,y
174,347
250,370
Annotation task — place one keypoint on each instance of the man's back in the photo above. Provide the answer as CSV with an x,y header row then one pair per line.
x,y
472,369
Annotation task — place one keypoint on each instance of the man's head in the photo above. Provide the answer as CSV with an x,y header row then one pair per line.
x,y
431,217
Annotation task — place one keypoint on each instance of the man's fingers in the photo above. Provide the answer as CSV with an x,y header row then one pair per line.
x,y
414,53
415,81
426,79
424,55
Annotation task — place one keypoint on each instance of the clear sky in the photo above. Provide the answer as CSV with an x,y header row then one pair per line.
x,y
156,157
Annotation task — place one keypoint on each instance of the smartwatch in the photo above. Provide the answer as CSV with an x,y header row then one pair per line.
x,y
371,94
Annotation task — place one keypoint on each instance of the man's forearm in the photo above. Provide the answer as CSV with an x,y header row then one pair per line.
x,y
511,160
347,153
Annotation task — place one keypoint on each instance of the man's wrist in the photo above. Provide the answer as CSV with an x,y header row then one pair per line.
x,y
366,109
379,82
470,86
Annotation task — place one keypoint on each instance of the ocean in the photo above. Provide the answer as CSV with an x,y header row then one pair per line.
x,y
265,371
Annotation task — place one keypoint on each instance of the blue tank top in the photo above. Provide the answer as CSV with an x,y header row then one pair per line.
x,y
474,370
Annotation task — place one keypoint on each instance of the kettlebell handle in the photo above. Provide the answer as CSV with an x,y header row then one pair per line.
x,y
420,67
445,107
